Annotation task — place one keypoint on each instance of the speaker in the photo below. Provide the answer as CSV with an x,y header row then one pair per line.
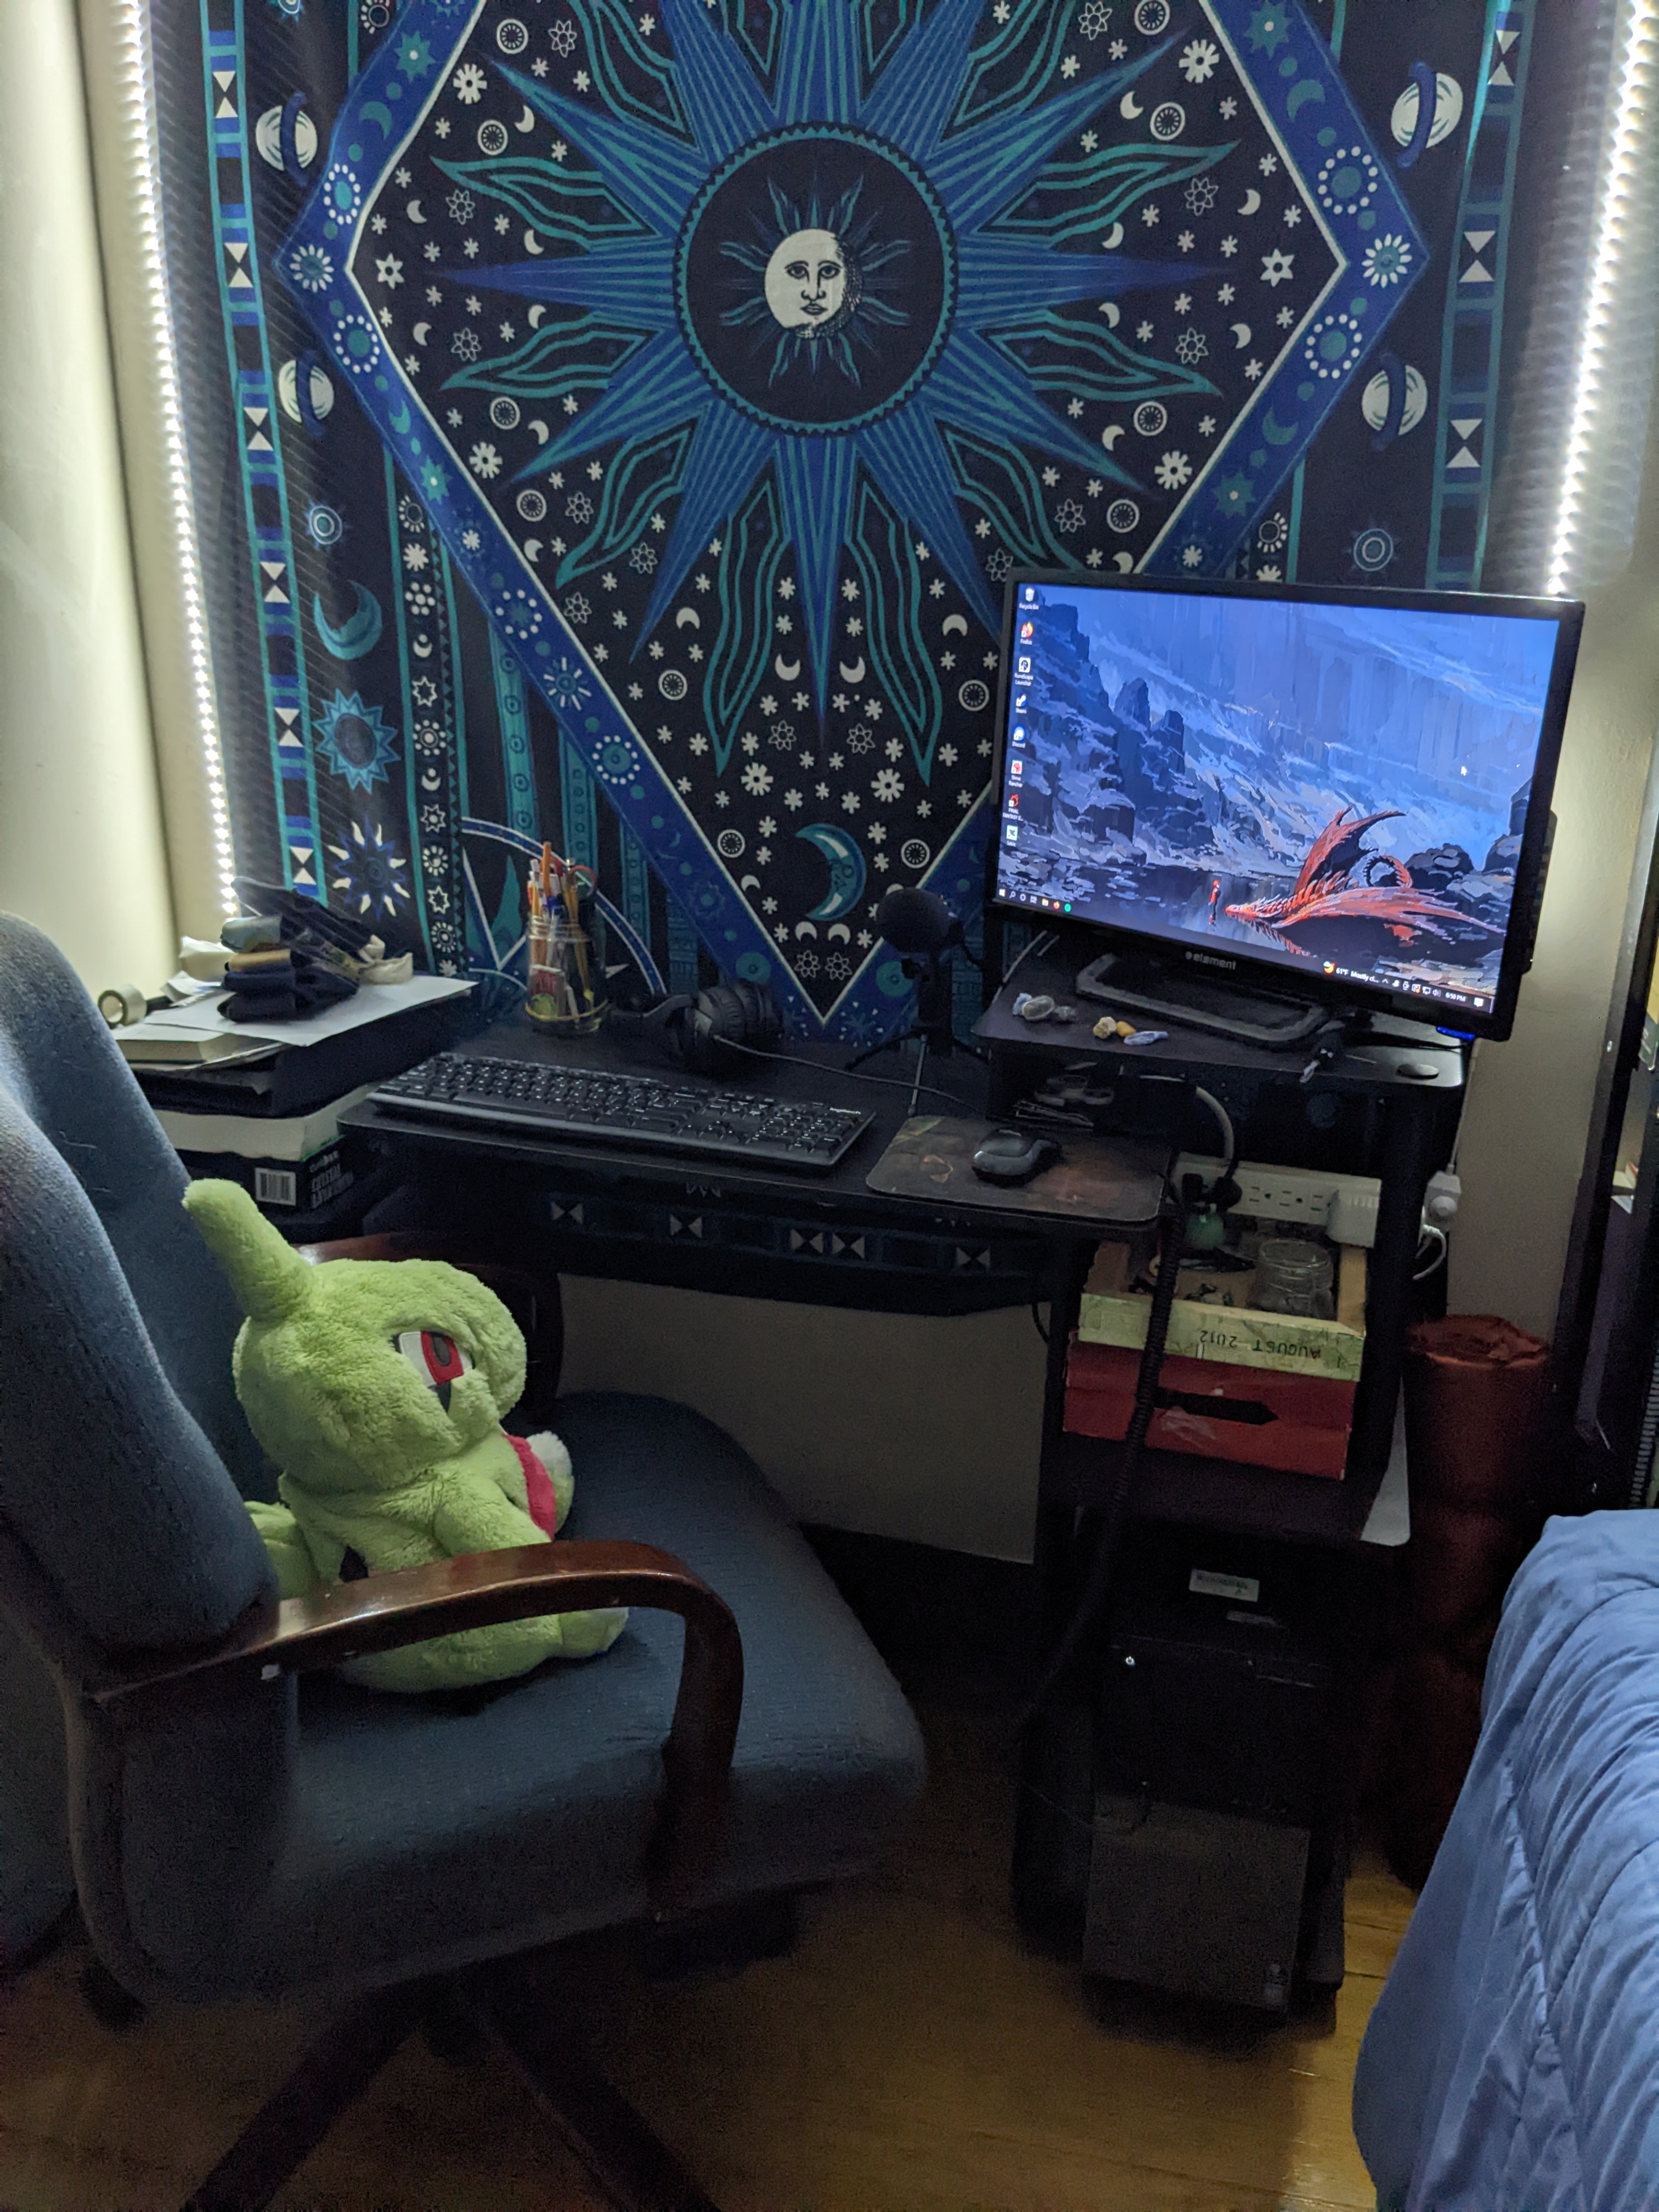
x,y
717,1031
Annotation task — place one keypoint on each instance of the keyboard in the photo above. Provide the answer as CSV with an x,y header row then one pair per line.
x,y
536,1099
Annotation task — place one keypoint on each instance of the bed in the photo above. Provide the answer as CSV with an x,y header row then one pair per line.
x,y
1512,2062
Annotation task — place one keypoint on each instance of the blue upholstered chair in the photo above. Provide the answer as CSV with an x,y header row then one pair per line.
x,y
236,1819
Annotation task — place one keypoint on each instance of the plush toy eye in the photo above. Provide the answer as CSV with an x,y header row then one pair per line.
x,y
437,1359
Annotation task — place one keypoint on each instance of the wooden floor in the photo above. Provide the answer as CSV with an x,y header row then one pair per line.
x,y
910,2054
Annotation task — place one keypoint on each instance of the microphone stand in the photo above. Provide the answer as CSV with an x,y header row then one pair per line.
x,y
930,1025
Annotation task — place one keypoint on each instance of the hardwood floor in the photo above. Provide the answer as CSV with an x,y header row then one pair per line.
x,y
910,2054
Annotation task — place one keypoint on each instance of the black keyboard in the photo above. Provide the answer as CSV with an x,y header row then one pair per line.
x,y
560,1101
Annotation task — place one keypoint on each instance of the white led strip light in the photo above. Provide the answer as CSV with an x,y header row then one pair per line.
x,y
1626,154
136,93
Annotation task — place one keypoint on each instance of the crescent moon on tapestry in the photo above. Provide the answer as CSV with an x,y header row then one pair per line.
x,y
788,671
847,870
357,636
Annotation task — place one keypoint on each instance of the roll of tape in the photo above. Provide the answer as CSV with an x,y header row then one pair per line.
x,y
119,1007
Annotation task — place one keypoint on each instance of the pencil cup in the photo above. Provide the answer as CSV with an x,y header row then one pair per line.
x,y
566,986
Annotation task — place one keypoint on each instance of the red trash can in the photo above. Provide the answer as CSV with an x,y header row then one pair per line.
x,y
1479,1420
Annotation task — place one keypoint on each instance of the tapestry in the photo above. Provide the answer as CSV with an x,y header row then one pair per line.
x,y
640,408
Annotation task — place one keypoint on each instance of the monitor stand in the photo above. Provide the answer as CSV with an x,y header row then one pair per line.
x,y
1257,1017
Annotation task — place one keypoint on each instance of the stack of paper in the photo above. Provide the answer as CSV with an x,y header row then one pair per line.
x,y
197,1033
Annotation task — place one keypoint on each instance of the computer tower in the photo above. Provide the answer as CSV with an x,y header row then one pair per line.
x,y
1175,1824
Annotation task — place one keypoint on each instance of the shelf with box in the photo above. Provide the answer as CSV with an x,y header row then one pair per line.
x,y
1254,1516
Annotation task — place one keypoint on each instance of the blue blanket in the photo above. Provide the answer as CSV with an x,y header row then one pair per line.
x,y
1512,2062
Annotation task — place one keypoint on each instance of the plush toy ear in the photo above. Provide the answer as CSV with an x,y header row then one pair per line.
x,y
268,1275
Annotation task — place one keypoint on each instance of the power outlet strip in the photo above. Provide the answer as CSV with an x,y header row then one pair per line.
x,y
1343,1206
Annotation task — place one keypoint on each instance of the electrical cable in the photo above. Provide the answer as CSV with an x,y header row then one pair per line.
x,y
1097,1586
844,1074
1229,1140
1462,1106
1431,1228
1041,942
1036,1319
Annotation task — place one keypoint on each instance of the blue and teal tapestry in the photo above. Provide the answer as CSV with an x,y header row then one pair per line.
x,y
639,410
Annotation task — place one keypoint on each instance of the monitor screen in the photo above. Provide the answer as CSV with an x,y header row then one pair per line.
x,y
1350,787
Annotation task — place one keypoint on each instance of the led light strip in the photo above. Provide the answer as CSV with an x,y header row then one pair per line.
x,y
136,92
1632,78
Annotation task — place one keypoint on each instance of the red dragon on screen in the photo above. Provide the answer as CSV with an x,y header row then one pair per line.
x,y
1352,900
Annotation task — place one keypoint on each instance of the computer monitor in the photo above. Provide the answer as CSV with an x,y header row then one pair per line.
x,y
1342,795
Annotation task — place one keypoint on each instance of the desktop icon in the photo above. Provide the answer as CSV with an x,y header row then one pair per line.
x,y
1013,833
1019,733
1019,703
1013,802
1330,967
1028,629
1016,770
1031,595
1022,666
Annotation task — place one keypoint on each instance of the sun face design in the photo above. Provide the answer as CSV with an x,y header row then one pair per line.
x,y
827,288
807,279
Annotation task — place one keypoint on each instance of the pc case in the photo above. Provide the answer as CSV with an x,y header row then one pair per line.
x,y
1178,1831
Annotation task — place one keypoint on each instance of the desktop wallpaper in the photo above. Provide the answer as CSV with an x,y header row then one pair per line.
x,y
1338,786
614,424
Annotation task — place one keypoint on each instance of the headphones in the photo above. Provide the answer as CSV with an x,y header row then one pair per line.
x,y
717,1030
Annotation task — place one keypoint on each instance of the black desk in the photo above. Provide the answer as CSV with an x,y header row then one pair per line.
x,y
759,1231
653,1216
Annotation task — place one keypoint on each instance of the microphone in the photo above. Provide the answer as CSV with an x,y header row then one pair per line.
x,y
916,921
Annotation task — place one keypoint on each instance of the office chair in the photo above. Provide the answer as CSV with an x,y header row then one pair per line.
x,y
240,1821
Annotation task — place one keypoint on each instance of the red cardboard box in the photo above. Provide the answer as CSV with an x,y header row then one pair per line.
x,y
1297,1423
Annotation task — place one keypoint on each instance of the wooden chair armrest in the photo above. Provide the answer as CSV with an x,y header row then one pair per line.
x,y
350,1621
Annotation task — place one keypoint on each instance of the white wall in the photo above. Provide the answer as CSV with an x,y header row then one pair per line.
x,y
1529,1100
80,847
891,1424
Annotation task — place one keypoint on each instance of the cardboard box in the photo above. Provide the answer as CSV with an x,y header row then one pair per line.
x,y
297,1165
1261,1417
1212,1319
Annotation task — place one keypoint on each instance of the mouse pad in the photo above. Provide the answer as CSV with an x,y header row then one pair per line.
x,y
1095,1180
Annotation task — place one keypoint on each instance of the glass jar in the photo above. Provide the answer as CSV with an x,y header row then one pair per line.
x,y
1294,1277
565,987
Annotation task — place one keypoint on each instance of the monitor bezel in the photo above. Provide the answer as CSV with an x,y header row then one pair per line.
x,y
1256,971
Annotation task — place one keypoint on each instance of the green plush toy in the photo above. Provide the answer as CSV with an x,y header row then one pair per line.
x,y
377,1387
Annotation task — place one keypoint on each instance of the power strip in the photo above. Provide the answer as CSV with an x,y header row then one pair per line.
x,y
1343,1205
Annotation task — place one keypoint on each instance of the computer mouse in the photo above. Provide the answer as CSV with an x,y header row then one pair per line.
x,y
1011,1156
